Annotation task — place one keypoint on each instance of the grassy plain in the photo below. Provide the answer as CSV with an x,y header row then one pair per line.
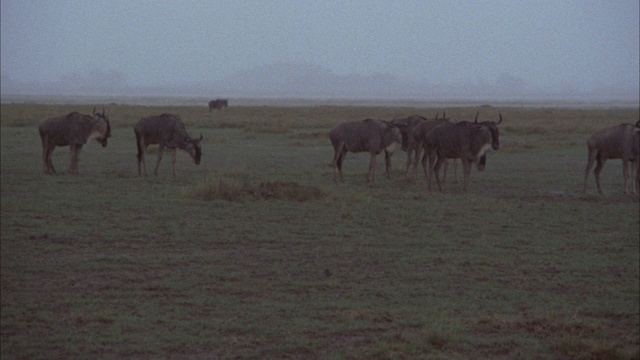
x,y
257,254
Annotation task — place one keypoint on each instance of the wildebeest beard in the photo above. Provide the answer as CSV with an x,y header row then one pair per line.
x,y
482,162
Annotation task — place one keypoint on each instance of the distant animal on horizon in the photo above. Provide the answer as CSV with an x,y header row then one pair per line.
x,y
73,130
372,136
467,141
168,131
615,142
218,104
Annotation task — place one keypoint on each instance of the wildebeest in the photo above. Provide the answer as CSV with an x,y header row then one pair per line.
x,y
464,140
372,136
413,131
218,104
166,130
615,142
416,143
74,130
406,125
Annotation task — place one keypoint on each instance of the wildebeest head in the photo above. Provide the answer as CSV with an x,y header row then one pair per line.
x,y
193,148
396,135
493,128
406,125
403,125
103,139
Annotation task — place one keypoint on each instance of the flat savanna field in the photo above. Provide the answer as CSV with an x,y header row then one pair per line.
x,y
255,253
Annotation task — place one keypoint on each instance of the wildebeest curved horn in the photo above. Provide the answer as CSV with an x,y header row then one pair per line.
x,y
200,137
94,110
500,118
476,119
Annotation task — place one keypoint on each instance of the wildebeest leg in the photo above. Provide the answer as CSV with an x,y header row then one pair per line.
x,y
141,163
76,164
50,159
599,165
409,155
160,150
418,150
634,171
144,159
50,148
75,154
338,156
342,155
625,173
423,161
142,148
428,172
436,170
47,150
45,163
424,165
371,176
466,169
387,163
638,176
593,153
46,155
173,162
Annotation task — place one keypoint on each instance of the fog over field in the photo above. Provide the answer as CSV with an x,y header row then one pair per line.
x,y
483,50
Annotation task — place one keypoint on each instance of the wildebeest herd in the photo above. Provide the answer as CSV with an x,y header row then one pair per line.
x,y
74,130
437,140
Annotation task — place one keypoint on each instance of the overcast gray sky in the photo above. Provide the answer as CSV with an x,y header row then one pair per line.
x,y
577,45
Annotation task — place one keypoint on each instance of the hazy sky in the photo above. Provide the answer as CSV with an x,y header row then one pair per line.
x,y
578,44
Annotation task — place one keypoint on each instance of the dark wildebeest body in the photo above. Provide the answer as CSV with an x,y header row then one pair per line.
x,y
218,104
465,141
73,130
406,125
413,132
372,136
168,131
418,135
615,142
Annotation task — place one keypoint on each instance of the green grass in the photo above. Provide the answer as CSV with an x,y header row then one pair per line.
x,y
255,253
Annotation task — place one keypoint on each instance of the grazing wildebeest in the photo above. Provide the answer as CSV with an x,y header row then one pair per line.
x,y
372,136
74,130
465,141
168,131
614,142
218,104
